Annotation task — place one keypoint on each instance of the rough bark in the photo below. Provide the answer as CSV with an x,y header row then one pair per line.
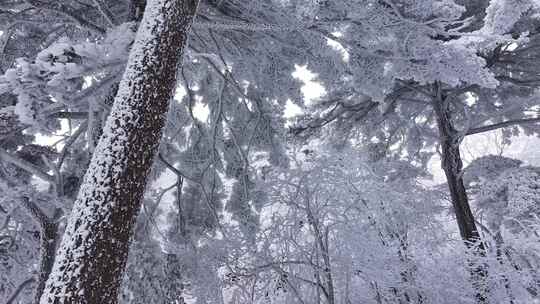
x,y
452,166
48,241
48,227
94,248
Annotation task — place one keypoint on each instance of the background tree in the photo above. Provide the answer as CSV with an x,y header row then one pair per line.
x,y
419,94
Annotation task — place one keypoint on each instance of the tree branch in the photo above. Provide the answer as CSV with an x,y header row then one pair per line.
x,y
25,165
69,115
37,214
67,11
107,14
502,125
16,293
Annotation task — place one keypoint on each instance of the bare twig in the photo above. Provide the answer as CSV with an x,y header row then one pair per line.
x,y
107,14
68,11
17,291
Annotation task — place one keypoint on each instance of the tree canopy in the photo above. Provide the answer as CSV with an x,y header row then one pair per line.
x,y
277,151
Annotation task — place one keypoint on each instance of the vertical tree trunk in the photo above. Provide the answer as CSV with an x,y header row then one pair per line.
x,y
94,248
499,245
322,242
453,166
48,240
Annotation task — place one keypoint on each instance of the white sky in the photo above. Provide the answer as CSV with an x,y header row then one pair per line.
x,y
524,148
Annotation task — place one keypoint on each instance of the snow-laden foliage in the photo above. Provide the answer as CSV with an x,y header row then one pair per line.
x,y
221,221
67,77
506,192
502,15
346,234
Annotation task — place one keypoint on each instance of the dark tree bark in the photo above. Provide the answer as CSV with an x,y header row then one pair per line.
x,y
48,227
93,252
48,241
136,9
48,237
453,166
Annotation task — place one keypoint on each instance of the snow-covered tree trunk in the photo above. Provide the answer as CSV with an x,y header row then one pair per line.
x,y
93,252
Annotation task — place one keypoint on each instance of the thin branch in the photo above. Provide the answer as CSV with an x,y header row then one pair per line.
x,y
107,14
16,293
502,125
69,115
69,143
199,183
37,214
174,169
67,11
415,88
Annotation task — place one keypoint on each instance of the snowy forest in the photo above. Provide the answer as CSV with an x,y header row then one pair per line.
x,y
270,152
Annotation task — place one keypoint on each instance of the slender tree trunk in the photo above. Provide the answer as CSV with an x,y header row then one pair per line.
x,y
499,243
94,249
328,270
48,239
453,166
322,243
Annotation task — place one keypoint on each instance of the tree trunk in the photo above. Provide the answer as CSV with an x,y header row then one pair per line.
x,y
322,243
453,166
94,248
48,240
499,245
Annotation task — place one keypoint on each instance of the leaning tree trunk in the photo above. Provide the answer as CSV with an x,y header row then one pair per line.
x,y
453,166
93,252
